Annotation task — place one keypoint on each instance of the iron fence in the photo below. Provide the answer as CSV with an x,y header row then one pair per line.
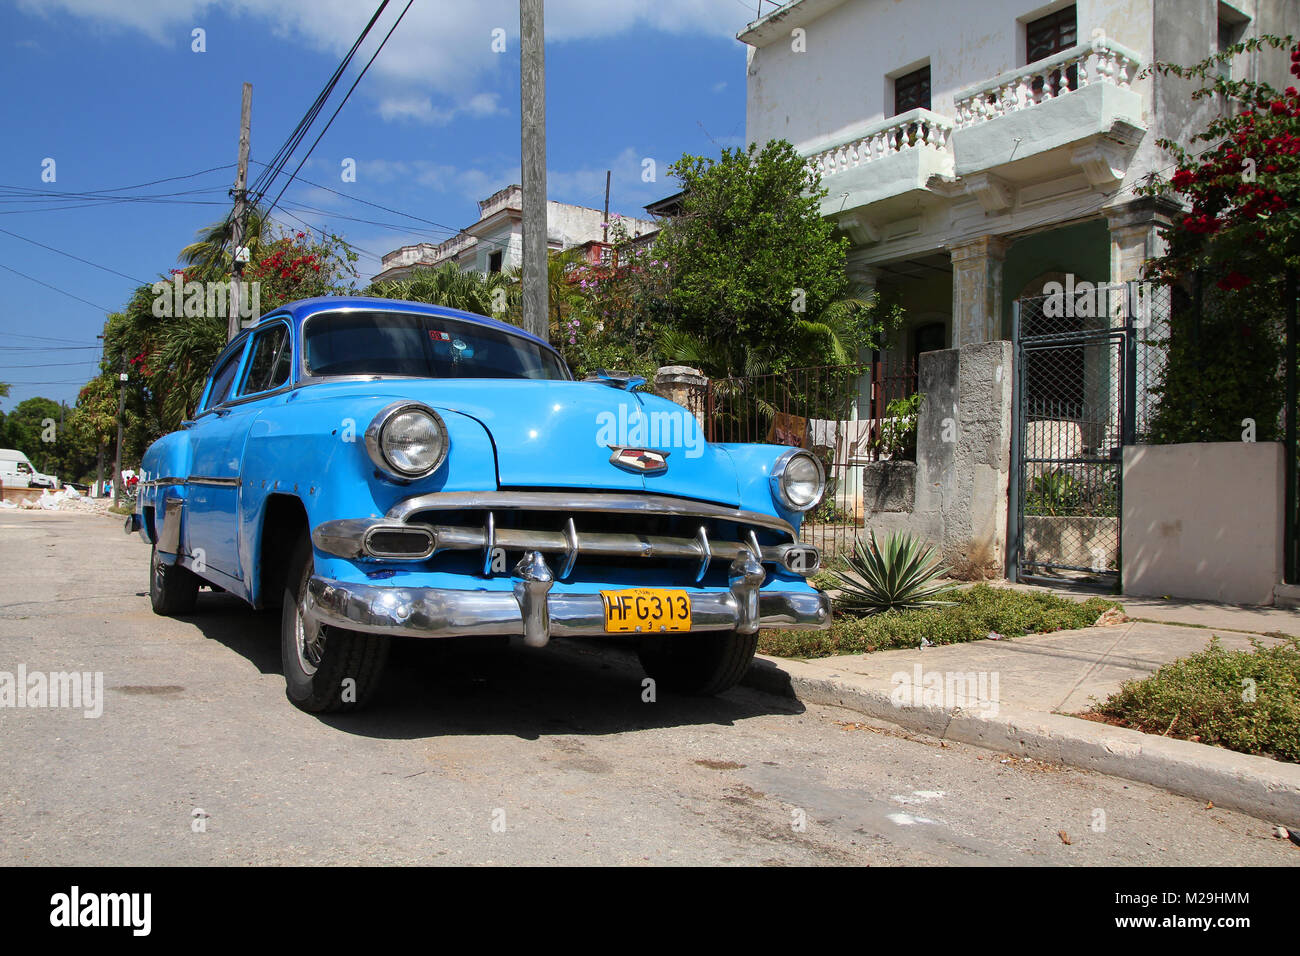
x,y
1088,363
835,411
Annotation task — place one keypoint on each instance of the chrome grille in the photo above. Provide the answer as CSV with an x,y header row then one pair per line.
x,y
605,528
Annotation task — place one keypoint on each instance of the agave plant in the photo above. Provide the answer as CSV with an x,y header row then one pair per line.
x,y
899,575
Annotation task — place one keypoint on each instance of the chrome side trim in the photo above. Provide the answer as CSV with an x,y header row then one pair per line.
x,y
159,482
580,501
216,482
433,613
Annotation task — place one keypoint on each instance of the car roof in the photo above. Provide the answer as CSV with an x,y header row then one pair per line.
x,y
302,309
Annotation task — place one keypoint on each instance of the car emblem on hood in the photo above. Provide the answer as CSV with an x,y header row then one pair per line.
x,y
646,460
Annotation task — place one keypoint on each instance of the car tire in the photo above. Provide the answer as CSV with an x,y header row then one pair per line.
x,y
173,589
317,670
697,664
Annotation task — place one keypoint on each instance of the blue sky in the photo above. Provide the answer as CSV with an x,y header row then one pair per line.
x,y
113,92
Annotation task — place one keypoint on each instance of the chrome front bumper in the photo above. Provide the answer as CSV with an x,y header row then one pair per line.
x,y
531,611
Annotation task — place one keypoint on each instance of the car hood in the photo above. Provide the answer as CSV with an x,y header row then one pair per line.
x,y
561,435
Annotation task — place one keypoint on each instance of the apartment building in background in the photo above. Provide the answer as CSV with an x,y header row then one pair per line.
x,y
975,151
494,243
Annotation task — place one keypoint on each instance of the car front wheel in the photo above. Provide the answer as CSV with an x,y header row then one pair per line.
x,y
700,664
326,669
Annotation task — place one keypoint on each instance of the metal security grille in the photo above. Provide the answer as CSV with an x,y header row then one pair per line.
x,y
1087,360
837,412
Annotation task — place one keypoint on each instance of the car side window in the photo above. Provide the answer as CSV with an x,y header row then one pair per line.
x,y
269,365
223,378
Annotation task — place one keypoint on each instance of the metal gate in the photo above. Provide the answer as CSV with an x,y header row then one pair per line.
x,y
1086,360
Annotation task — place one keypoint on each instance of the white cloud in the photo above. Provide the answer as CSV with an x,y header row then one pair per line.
x,y
433,66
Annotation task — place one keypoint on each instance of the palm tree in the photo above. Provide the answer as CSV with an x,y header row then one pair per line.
x,y
492,293
211,254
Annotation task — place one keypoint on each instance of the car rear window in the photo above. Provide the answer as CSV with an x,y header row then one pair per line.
x,y
423,346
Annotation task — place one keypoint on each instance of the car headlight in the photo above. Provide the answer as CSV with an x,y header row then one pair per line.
x,y
407,440
798,480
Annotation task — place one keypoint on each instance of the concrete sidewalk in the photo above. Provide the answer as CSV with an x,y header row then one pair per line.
x,y
1017,696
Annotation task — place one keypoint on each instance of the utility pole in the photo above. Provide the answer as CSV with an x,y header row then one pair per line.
x,y
604,223
532,101
241,212
117,458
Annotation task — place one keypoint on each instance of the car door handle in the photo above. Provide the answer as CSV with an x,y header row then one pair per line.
x,y
221,412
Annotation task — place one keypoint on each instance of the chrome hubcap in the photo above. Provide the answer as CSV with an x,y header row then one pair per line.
x,y
311,647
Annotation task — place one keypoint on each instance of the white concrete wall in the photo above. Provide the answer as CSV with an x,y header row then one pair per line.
x,y
1203,521
842,81
843,78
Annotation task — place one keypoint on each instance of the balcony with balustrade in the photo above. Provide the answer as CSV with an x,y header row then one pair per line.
x,y
1079,105
1073,114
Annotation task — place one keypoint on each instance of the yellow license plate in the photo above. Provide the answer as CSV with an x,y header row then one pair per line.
x,y
647,610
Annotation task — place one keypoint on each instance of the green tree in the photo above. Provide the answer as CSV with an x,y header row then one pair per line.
x,y
447,285
1226,256
752,267
211,255
32,428
92,426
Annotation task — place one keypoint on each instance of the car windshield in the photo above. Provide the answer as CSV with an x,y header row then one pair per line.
x,y
422,346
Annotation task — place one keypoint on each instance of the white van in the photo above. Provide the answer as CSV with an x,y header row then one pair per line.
x,y
17,472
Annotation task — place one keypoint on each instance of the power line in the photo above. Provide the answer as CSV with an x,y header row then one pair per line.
x,y
154,182
54,364
42,338
282,155
77,258
47,347
54,287
338,109
71,382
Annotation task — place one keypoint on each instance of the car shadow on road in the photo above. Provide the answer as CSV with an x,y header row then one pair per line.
x,y
476,687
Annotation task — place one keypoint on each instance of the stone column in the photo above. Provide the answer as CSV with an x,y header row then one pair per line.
x,y
963,456
977,290
1133,234
684,385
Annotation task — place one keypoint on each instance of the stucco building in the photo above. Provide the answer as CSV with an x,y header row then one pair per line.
x,y
494,243
974,151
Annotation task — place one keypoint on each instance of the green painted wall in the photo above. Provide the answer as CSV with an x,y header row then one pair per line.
x,y
1083,249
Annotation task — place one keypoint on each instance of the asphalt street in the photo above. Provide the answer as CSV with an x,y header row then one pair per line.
x,y
492,756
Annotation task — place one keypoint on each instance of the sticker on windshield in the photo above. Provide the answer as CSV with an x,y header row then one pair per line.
x,y
439,336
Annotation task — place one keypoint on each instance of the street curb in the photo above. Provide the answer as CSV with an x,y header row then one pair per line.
x,y
1263,788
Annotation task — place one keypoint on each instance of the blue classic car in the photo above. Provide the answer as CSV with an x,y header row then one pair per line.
x,y
385,469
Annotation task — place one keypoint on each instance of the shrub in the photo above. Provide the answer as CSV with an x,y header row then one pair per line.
x,y
897,438
1248,701
974,612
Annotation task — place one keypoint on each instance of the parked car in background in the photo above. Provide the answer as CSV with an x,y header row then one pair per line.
x,y
16,471
384,469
